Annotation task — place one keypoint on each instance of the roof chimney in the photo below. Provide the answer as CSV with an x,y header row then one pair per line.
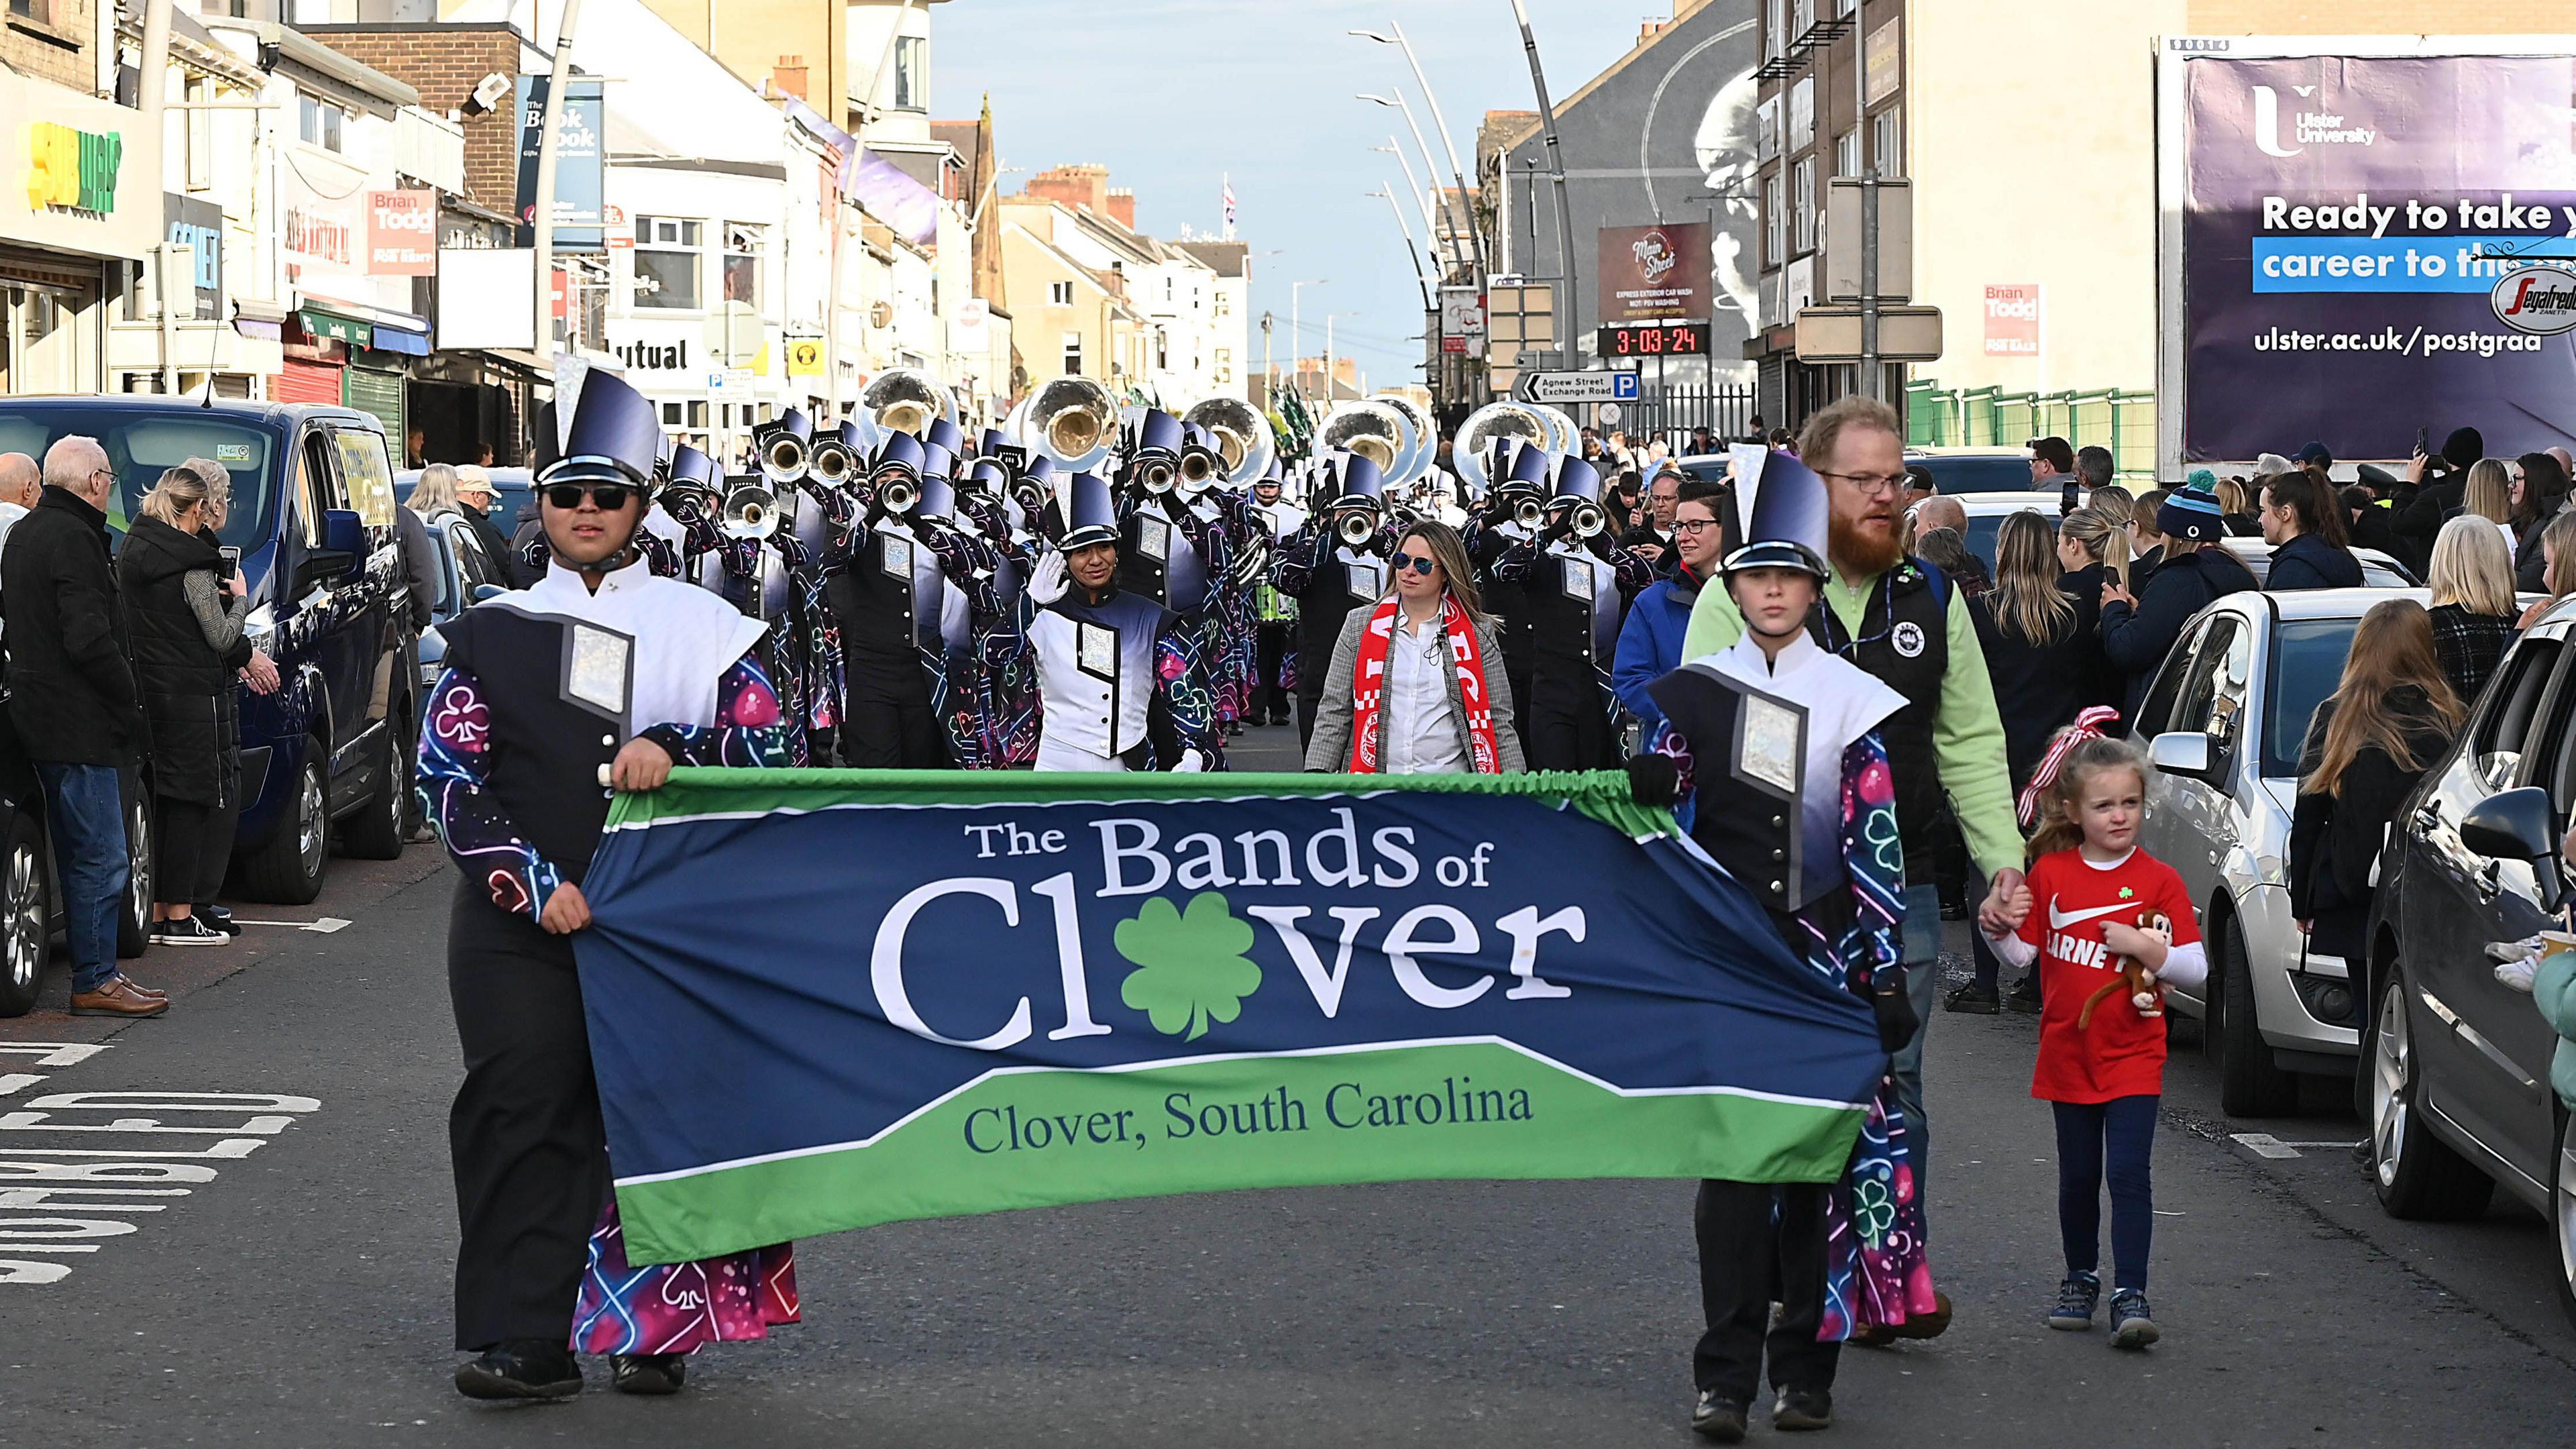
x,y
1122,207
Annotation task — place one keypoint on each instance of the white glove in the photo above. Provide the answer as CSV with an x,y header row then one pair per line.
x,y
1192,762
1048,581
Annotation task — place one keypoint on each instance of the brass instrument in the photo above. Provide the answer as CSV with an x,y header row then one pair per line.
x,y
1472,451
784,458
1243,437
1355,525
1371,429
901,400
1072,422
898,495
1585,519
750,511
1426,439
832,460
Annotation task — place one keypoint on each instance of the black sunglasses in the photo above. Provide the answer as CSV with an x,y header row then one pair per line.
x,y
568,496
1423,565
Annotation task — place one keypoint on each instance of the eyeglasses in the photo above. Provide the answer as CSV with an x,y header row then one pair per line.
x,y
1693,525
1423,565
1869,482
610,497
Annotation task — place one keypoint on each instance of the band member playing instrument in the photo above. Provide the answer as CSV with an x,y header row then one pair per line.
x,y
1511,515
894,582
1107,658
599,676
1576,583
1169,553
1340,565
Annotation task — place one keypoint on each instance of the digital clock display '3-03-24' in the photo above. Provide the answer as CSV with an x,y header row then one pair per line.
x,y
1654,339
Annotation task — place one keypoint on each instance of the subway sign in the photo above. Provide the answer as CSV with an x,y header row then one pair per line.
x,y
72,170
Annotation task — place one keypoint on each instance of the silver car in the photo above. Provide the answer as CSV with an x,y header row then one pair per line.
x,y
2226,715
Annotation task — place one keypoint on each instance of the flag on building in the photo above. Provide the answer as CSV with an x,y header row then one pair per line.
x,y
1229,208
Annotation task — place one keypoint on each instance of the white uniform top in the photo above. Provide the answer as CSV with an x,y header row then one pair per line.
x,y
1088,717
1286,519
685,638
1843,702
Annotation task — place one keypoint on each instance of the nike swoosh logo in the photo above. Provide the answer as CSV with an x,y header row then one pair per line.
x,y
2057,922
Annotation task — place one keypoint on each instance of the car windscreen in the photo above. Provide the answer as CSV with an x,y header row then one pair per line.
x,y
2307,664
1976,473
142,444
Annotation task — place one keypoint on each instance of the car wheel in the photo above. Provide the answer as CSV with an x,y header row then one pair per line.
x,y
288,869
2416,1174
2250,1082
26,917
377,831
2562,1213
134,928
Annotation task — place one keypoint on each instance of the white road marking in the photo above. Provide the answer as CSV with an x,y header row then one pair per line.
x,y
2261,1144
325,926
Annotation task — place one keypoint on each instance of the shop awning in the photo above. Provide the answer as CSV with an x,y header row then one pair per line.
x,y
263,321
333,327
395,339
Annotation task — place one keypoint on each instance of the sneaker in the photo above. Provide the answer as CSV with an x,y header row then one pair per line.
x,y
1973,999
521,1368
2130,1325
117,996
217,917
1802,1409
648,1373
2076,1298
1718,1418
2025,997
187,931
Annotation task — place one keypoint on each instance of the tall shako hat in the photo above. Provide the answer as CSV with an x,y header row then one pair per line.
x,y
1156,431
1359,479
1576,478
990,443
937,462
899,450
691,468
944,434
1788,521
989,476
1090,515
597,430
938,502
791,422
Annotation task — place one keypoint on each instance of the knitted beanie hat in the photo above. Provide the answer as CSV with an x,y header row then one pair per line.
x,y
2190,513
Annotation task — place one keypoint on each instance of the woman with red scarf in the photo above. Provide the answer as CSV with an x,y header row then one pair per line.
x,y
1416,685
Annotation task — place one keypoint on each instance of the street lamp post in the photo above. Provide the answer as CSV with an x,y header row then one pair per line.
x,y
1457,173
542,224
1421,198
1556,171
1432,165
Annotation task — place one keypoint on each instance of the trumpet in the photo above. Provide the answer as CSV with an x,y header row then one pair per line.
x,y
1156,475
784,458
832,460
898,495
1356,525
750,511
1585,519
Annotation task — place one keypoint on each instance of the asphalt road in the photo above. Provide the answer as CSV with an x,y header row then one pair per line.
x,y
297,1293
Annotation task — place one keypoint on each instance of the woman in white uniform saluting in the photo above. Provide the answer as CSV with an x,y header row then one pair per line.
x,y
1106,657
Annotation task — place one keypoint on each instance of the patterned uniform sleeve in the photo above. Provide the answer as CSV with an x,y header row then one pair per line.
x,y
1634,570
1193,711
1669,742
1294,573
968,562
1516,562
750,731
453,769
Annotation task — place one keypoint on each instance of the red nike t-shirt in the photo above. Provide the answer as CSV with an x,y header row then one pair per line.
x,y
2120,1053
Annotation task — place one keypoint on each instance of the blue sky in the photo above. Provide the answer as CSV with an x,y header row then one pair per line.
x,y
1174,95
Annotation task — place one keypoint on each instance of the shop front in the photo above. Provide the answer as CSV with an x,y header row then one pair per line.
x,y
80,204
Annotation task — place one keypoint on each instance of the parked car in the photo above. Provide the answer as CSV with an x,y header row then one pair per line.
x,y
466,577
2225,718
312,516
2458,1090
514,494
2378,570
1976,470
1987,512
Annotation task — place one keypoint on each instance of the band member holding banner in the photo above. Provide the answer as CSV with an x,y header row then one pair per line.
x,y
599,676
1107,658
1780,741
1416,686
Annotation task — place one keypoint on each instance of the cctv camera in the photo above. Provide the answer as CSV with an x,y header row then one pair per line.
x,y
487,94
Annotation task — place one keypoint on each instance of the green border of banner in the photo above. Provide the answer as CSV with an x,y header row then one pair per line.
x,y
699,793
1127,1142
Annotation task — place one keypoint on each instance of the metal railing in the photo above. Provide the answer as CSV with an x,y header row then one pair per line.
x,y
1989,417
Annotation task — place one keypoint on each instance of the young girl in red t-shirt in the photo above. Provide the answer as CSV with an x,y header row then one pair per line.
x,y
2091,896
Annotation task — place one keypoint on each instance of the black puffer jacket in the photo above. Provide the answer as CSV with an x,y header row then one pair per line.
x,y
71,687
189,696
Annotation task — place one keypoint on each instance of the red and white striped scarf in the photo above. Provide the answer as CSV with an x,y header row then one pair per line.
x,y
1368,688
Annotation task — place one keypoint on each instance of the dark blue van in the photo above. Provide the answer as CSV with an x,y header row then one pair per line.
x,y
326,758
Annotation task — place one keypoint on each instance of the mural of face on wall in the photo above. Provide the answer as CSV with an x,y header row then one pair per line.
x,y
1730,159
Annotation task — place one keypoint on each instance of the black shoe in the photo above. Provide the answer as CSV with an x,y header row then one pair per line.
x,y
521,1368
1954,910
1973,999
2025,997
1802,1409
217,917
1721,1419
187,931
648,1373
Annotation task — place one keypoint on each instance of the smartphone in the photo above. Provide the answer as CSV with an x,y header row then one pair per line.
x,y
2423,440
232,559
2070,500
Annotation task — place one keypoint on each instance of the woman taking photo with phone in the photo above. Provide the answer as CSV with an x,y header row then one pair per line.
x,y
1416,686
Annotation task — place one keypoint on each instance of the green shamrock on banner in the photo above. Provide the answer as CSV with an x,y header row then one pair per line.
x,y
1191,967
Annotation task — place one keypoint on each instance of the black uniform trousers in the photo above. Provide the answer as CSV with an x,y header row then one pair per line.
x,y
890,726
530,1151
1761,1243
1569,729
1274,643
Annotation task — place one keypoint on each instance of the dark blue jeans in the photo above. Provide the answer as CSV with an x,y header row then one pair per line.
x,y
85,816
2114,1139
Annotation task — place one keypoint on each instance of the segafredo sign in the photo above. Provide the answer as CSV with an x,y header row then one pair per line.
x,y
2536,299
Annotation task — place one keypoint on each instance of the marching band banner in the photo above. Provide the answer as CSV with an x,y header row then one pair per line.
x,y
827,999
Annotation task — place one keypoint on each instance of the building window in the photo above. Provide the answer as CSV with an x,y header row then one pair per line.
x,y
1775,27
1224,361
1059,294
1887,141
318,122
1167,289
911,80
199,129
1802,16
1775,220
1224,303
1162,352
744,246
1847,153
1802,186
1073,354
666,262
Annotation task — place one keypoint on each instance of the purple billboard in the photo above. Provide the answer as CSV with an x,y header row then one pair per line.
x,y
2344,222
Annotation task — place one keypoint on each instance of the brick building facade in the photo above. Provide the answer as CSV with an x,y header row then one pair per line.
x,y
54,43
444,63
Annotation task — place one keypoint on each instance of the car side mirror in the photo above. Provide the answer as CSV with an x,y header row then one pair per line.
x,y
2187,753
488,591
2518,825
342,532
